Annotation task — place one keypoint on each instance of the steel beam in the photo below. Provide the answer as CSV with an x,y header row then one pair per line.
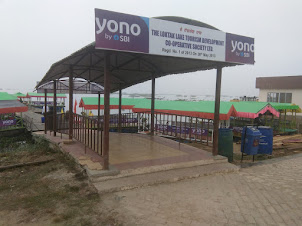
x,y
98,123
152,105
54,108
120,110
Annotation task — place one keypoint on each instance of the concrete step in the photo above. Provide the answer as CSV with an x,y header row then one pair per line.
x,y
143,180
113,173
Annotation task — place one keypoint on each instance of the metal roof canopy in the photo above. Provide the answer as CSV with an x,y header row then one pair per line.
x,y
128,68
117,70
80,86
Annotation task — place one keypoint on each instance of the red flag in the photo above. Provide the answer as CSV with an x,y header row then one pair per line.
x,y
75,106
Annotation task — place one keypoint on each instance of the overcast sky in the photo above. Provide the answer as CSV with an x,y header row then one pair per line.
x,y
36,33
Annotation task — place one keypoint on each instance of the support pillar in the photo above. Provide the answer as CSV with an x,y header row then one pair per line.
x,y
70,102
106,110
152,104
120,110
296,117
216,113
280,126
54,108
98,125
45,111
284,121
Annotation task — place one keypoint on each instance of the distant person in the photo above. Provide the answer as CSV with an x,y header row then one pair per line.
x,y
259,121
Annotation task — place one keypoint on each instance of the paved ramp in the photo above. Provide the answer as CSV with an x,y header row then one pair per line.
x,y
33,121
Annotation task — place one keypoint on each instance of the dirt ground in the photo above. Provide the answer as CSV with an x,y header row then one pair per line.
x,y
54,193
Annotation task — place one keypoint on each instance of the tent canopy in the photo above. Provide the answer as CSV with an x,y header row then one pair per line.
x,y
6,96
91,103
201,109
19,95
252,109
10,104
284,106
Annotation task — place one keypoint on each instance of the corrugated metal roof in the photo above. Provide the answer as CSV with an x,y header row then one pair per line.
x,y
113,101
201,106
127,68
6,96
282,82
79,87
284,106
12,106
249,106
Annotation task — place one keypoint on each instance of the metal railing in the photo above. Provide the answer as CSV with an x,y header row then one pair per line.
x,y
178,126
87,131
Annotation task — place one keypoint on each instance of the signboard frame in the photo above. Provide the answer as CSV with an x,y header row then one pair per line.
x,y
129,33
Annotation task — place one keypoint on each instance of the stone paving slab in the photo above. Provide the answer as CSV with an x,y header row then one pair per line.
x,y
265,194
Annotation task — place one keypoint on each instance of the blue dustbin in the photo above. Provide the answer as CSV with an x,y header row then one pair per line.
x,y
250,138
266,140
43,119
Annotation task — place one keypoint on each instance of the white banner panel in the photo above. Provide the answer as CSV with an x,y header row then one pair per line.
x,y
182,40
129,33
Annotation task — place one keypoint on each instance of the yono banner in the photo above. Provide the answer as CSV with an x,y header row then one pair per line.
x,y
129,33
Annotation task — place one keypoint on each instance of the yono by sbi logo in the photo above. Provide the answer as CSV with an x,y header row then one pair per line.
x,y
121,27
242,46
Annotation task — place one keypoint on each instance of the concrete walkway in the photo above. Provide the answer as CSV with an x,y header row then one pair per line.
x,y
265,194
34,120
140,160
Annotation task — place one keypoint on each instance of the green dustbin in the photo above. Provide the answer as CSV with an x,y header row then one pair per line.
x,y
225,143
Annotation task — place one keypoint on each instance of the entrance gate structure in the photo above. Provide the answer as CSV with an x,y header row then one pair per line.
x,y
130,49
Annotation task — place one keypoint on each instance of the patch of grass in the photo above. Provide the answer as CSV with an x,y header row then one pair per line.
x,y
74,189
11,143
24,151
58,190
